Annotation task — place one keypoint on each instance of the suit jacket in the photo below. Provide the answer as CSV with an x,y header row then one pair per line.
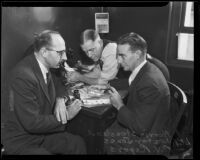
x,y
147,109
163,68
30,107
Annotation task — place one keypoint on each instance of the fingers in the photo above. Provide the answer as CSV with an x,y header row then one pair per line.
x,y
77,103
113,89
74,108
110,92
60,110
57,115
63,116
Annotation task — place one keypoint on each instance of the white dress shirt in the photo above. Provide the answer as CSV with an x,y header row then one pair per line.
x,y
110,69
43,69
135,72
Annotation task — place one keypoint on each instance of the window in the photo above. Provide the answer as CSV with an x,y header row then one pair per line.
x,y
180,48
189,15
185,35
186,46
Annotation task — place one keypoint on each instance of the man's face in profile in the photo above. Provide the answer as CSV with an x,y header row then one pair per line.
x,y
55,53
126,57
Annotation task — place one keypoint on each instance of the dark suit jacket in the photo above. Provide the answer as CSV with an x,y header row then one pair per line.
x,y
147,108
30,107
163,68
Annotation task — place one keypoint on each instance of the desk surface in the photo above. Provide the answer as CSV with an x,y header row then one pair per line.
x,y
97,111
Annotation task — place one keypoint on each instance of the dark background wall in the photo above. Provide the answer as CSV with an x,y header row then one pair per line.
x,y
20,23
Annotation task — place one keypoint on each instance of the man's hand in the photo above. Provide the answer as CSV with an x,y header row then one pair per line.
x,y
60,110
102,82
73,76
115,98
74,108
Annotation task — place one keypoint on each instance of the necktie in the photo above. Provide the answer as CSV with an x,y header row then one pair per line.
x,y
48,76
48,84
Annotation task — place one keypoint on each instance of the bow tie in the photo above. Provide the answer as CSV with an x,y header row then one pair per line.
x,y
100,62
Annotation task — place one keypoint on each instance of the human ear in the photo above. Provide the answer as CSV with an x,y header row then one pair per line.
x,y
43,52
138,54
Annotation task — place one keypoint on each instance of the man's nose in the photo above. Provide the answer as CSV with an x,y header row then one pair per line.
x,y
119,60
64,57
89,54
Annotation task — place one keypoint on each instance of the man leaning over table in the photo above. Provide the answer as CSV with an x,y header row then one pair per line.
x,y
103,53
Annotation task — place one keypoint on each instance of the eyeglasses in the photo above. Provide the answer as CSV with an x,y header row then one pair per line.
x,y
90,50
123,56
59,52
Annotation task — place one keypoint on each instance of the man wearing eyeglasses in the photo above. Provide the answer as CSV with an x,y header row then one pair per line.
x,y
103,53
34,125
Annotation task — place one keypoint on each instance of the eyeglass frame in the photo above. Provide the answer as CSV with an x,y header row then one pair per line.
x,y
59,52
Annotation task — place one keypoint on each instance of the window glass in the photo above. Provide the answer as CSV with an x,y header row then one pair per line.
x,y
186,46
189,15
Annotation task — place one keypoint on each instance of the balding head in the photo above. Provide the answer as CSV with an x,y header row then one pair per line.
x,y
88,34
44,39
50,48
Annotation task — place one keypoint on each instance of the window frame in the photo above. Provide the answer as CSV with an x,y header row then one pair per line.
x,y
175,26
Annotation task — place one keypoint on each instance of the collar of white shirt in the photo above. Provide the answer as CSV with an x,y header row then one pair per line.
x,y
43,69
135,72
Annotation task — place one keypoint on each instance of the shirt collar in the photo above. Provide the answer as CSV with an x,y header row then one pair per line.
x,y
135,71
43,68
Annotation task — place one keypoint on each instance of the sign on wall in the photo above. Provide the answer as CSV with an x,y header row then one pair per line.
x,y
102,22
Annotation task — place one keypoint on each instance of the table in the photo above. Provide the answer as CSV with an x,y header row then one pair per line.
x,y
90,123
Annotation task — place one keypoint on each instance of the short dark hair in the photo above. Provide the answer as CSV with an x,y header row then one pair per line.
x,y
43,39
88,34
135,41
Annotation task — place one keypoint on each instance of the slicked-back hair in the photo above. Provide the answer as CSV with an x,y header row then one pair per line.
x,y
88,34
135,41
44,39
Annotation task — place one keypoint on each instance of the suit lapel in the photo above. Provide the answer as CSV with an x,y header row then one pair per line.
x,y
39,75
139,75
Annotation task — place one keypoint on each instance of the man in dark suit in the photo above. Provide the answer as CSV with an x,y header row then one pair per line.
x,y
34,125
141,125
